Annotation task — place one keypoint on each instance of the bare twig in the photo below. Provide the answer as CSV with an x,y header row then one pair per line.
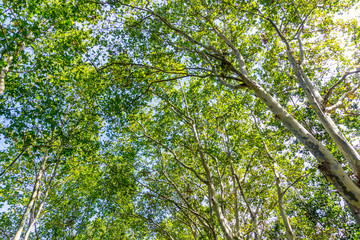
x,y
331,89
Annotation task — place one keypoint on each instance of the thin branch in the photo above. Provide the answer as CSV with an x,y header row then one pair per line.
x,y
301,49
295,182
4,71
179,206
232,86
303,22
329,92
252,214
172,27
177,159
5,233
340,102
180,113
36,217
32,198
13,162
173,184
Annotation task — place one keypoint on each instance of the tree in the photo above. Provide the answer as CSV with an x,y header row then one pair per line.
x,y
258,46
174,182
179,120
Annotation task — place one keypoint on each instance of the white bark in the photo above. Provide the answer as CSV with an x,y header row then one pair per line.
x,y
4,71
3,74
224,224
252,214
349,152
316,101
36,217
340,102
32,199
328,165
289,232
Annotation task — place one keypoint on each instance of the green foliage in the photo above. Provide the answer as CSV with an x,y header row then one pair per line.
x,y
140,112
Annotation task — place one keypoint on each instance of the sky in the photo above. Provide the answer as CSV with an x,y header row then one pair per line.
x,y
353,13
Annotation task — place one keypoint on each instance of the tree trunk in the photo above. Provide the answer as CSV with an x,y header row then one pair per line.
x,y
316,101
32,199
289,232
36,217
224,224
3,74
328,164
355,213
252,214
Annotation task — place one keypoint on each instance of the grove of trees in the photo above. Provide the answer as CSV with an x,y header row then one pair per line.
x,y
179,119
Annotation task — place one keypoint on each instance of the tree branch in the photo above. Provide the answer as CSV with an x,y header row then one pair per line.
x,y
13,162
329,92
177,159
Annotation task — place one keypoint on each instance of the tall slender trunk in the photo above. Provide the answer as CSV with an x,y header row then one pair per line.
x,y
32,199
3,74
213,200
316,101
237,219
328,164
289,232
224,224
4,71
252,214
36,217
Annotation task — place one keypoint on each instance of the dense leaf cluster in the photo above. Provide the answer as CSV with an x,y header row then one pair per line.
x,y
182,119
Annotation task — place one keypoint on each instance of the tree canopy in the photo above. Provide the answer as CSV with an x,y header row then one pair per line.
x,y
182,119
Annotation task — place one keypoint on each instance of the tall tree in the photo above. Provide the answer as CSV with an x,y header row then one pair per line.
x,y
263,47
186,119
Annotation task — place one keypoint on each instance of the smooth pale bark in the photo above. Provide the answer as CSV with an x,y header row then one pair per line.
x,y
349,152
202,220
3,74
213,201
237,219
252,214
317,103
289,232
222,187
224,224
236,180
328,165
178,191
4,71
36,217
32,199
